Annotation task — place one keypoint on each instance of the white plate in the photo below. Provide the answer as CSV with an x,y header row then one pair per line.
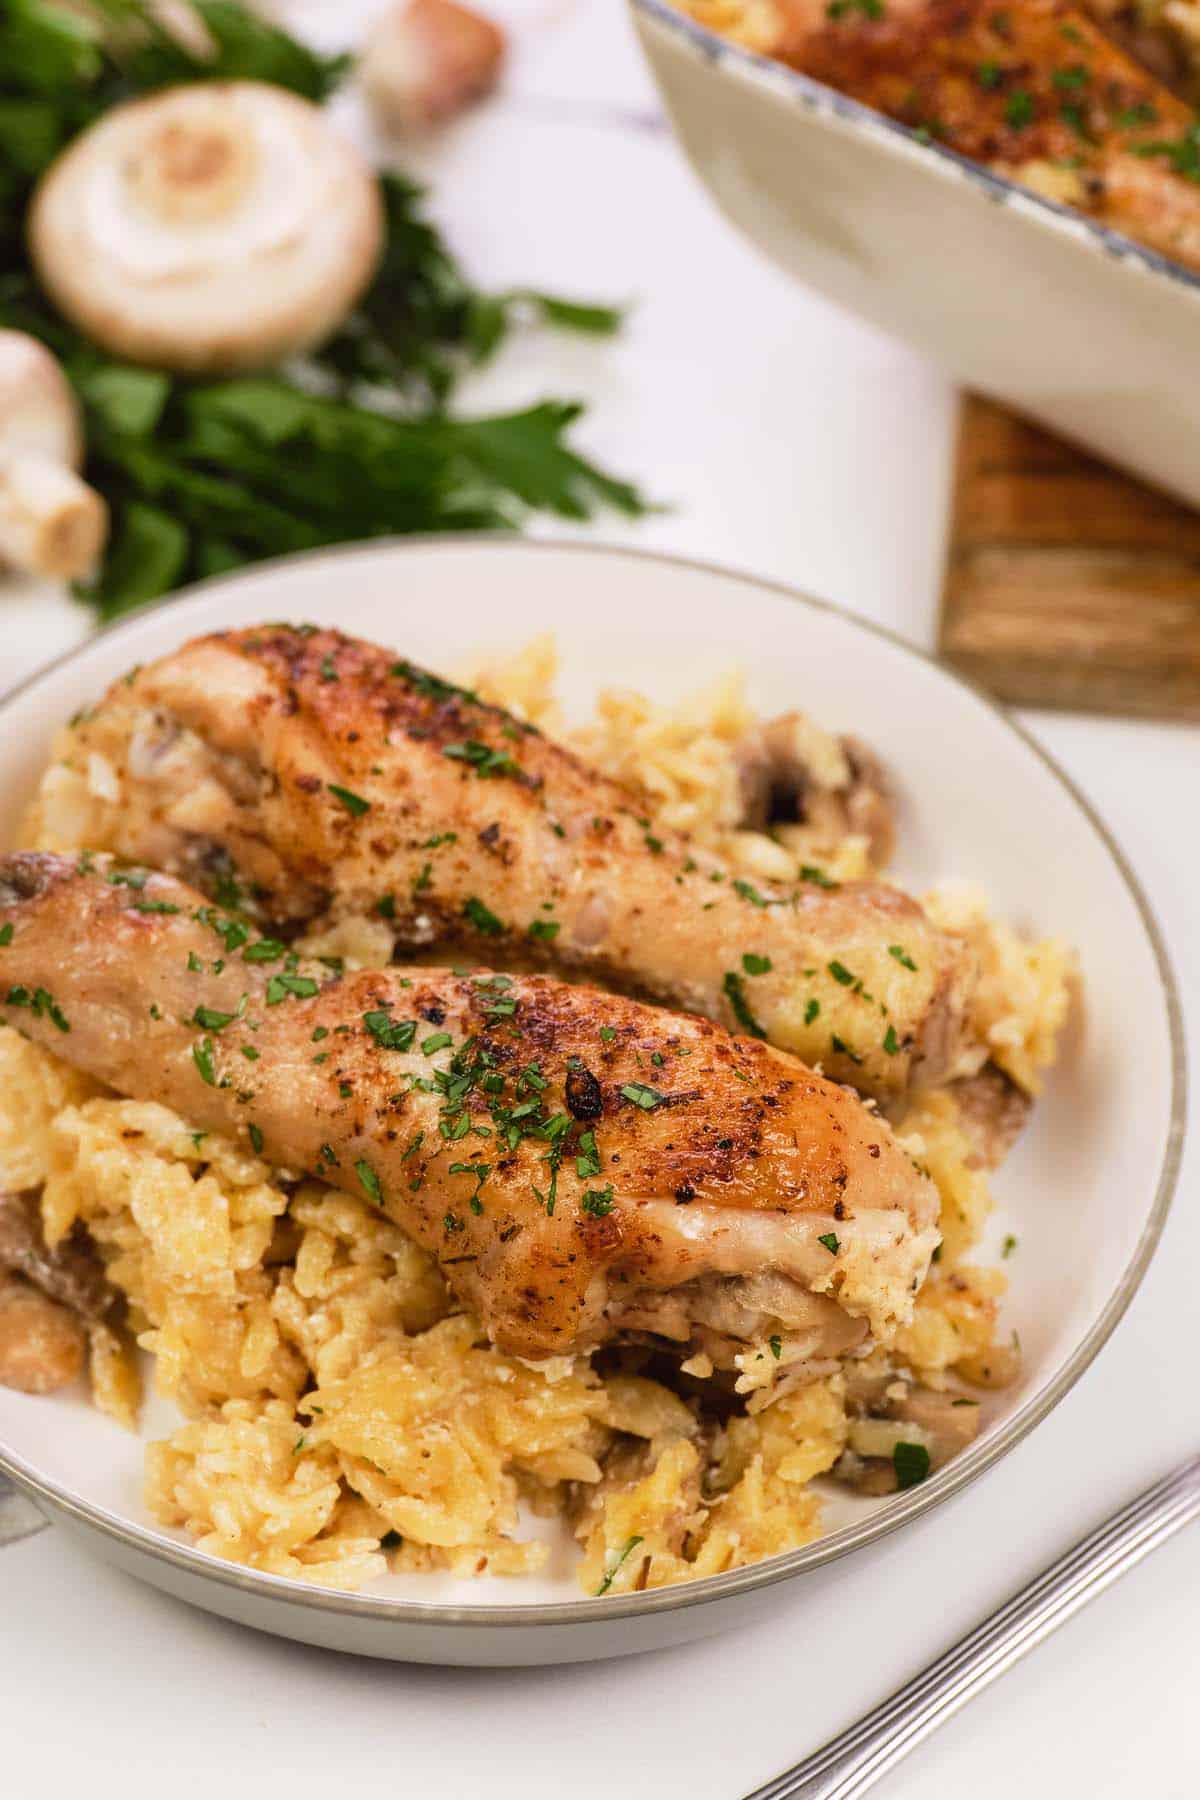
x,y
1086,1191
1019,297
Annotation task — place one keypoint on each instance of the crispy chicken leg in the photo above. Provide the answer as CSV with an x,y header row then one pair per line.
x,y
582,1167
330,779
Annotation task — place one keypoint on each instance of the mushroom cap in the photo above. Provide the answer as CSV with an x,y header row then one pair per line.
x,y
213,227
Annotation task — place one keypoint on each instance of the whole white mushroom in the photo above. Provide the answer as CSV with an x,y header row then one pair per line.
x,y
51,522
210,228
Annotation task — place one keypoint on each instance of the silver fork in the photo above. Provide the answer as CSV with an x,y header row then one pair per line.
x,y
853,1762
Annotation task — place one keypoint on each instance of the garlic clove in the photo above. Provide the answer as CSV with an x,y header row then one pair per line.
x,y
426,60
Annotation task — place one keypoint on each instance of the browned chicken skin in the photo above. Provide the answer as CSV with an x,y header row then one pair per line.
x,y
331,780
582,1166
1036,91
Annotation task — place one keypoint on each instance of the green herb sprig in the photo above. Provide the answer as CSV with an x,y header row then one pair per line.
x,y
203,477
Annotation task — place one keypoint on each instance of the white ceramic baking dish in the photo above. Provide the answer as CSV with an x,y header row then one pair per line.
x,y
1022,299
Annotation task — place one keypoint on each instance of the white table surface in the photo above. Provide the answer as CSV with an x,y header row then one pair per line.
x,y
795,443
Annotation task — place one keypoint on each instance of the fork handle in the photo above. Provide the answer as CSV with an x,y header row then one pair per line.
x,y
854,1761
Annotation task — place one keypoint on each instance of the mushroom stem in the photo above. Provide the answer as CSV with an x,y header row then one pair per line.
x,y
51,522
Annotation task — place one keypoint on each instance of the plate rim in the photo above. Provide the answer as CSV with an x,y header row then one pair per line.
x,y
189,1560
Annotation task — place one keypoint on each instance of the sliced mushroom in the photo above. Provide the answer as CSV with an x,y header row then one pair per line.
x,y
42,1344
51,522
794,773
426,60
71,1272
901,1412
992,1110
212,227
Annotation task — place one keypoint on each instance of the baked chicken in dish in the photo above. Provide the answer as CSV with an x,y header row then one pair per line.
x,y
583,1167
315,778
1067,100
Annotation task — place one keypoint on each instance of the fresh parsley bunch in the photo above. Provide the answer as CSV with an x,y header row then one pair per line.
x,y
356,442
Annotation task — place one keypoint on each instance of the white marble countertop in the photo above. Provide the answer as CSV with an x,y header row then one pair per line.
x,y
794,443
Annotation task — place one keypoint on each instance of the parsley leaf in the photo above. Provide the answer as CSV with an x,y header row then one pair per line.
x,y
911,1463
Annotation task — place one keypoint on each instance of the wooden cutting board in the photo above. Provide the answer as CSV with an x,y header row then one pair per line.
x,y
1068,584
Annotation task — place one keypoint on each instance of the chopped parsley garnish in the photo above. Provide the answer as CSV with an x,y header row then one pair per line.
x,y
303,987
256,1139
452,1222
1182,153
432,686
480,1171
811,1011
841,973
486,762
607,1034
756,965
653,844
1075,77
911,1463
545,930
641,1095
202,1054
626,1550
319,1032
1020,109
841,1048
891,1043
598,1202
369,1180
385,906
989,75
818,877
208,1019
482,918
250,1053
422,880
353,803
389,1033
232,932
133,878
265,950
1074,115
902,957
830,1241
749,892
740,1006
6,934
587,1162
436,1041
43,1004
1009,1245
841,9
155,906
